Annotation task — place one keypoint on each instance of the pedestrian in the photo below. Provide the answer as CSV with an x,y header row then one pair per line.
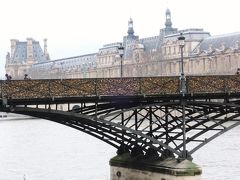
x,y
25,76
238,71
8,77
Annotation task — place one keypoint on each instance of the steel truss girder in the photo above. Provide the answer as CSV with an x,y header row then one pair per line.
x,y
148,125
204,122
99,128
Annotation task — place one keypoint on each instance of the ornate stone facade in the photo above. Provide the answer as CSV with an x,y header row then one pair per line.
x,y
23,56
152,56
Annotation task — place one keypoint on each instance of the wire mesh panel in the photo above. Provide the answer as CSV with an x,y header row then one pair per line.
x,y
72,87
160,85
118,86
25,89
206,84
233,83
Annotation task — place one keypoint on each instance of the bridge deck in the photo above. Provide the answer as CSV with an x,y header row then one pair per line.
x,y
146,113
109,87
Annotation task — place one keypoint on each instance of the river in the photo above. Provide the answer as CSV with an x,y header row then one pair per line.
x,y
43,150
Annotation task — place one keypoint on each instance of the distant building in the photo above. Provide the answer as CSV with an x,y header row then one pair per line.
x,y
23,55
152,56
74,67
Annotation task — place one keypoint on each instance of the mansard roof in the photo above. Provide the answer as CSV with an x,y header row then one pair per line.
x,y
20,54
86,60
228,41
149,43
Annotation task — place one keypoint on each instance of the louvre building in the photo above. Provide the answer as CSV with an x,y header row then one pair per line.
x,y
158,55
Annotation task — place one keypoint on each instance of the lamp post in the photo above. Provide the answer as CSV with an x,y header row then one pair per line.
x,y
181,40
62,70
121,52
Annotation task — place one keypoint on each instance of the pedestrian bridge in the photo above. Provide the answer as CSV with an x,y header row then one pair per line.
x,y
140,115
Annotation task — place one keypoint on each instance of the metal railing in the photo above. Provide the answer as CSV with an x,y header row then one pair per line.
x,y
21,89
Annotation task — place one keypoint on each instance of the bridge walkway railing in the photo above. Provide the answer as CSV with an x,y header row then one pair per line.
x,y
131,86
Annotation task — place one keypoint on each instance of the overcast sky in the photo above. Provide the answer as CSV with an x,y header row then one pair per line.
x,y
76,27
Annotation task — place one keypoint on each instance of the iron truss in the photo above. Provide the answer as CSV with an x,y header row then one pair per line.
x,y
147,116
146,127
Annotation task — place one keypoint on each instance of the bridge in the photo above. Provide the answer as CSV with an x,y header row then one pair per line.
x,y
141,115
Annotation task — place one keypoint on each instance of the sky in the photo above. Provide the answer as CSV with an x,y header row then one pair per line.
x,y
77,27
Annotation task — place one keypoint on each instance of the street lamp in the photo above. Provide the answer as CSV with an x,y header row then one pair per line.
x,y
62,70
121,52
181,40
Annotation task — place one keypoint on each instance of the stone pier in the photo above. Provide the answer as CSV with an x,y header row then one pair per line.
x,y
125,167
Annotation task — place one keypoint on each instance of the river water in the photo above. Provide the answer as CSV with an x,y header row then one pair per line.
x,y
43,150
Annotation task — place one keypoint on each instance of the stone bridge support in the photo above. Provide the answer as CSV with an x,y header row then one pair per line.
x,y
125,167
